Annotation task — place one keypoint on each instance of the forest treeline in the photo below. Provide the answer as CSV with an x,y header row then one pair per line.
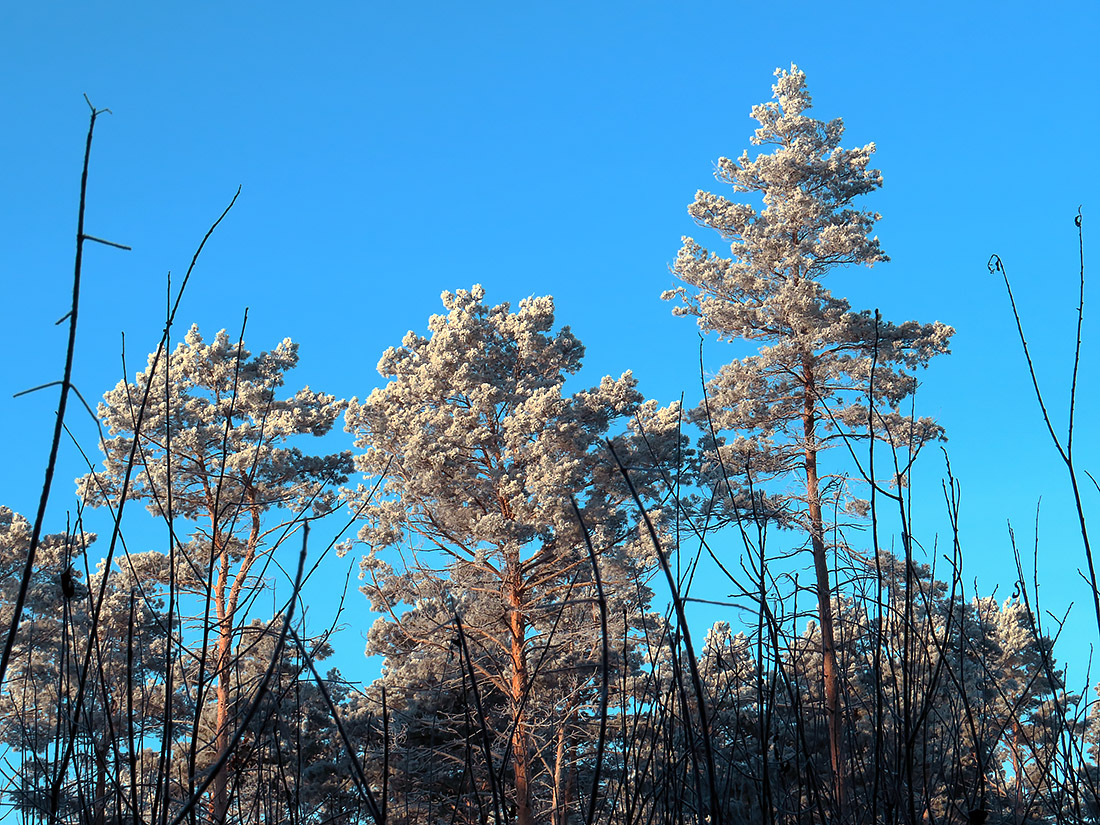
x,y
530,555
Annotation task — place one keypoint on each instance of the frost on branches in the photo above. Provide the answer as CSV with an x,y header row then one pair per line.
x,y
479,450
212,457
823,372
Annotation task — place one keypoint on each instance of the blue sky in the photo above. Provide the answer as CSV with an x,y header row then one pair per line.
x,y
387,152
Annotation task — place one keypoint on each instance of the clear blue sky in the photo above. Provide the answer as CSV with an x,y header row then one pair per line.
x,y
390,151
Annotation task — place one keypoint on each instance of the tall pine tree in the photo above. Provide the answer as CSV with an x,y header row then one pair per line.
x,y
479,450
819,362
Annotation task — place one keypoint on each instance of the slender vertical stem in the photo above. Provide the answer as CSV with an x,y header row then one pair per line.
x,y
996,265
59,421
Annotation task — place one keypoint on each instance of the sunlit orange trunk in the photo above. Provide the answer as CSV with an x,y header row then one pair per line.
x,y
564,789
830,672
226,598
219,794
521,756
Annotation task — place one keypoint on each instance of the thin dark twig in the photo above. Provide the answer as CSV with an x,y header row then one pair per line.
x,y
198,251
604,661
72,387
166,730
88,237
1080,322
51,464
994,265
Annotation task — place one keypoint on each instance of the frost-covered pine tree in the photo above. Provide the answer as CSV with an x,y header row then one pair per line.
x,y
35,698
478,449
811,381
122,705
213,458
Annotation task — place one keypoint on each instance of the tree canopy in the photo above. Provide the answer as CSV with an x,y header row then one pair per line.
x,y
481,455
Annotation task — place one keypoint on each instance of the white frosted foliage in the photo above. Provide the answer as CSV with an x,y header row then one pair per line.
x,y
815,353
478,450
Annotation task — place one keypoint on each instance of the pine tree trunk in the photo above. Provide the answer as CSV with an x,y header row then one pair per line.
x,y
570,783
219,798
225,602
557,796
1018,780
521,757
830,671
219,794
564,788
